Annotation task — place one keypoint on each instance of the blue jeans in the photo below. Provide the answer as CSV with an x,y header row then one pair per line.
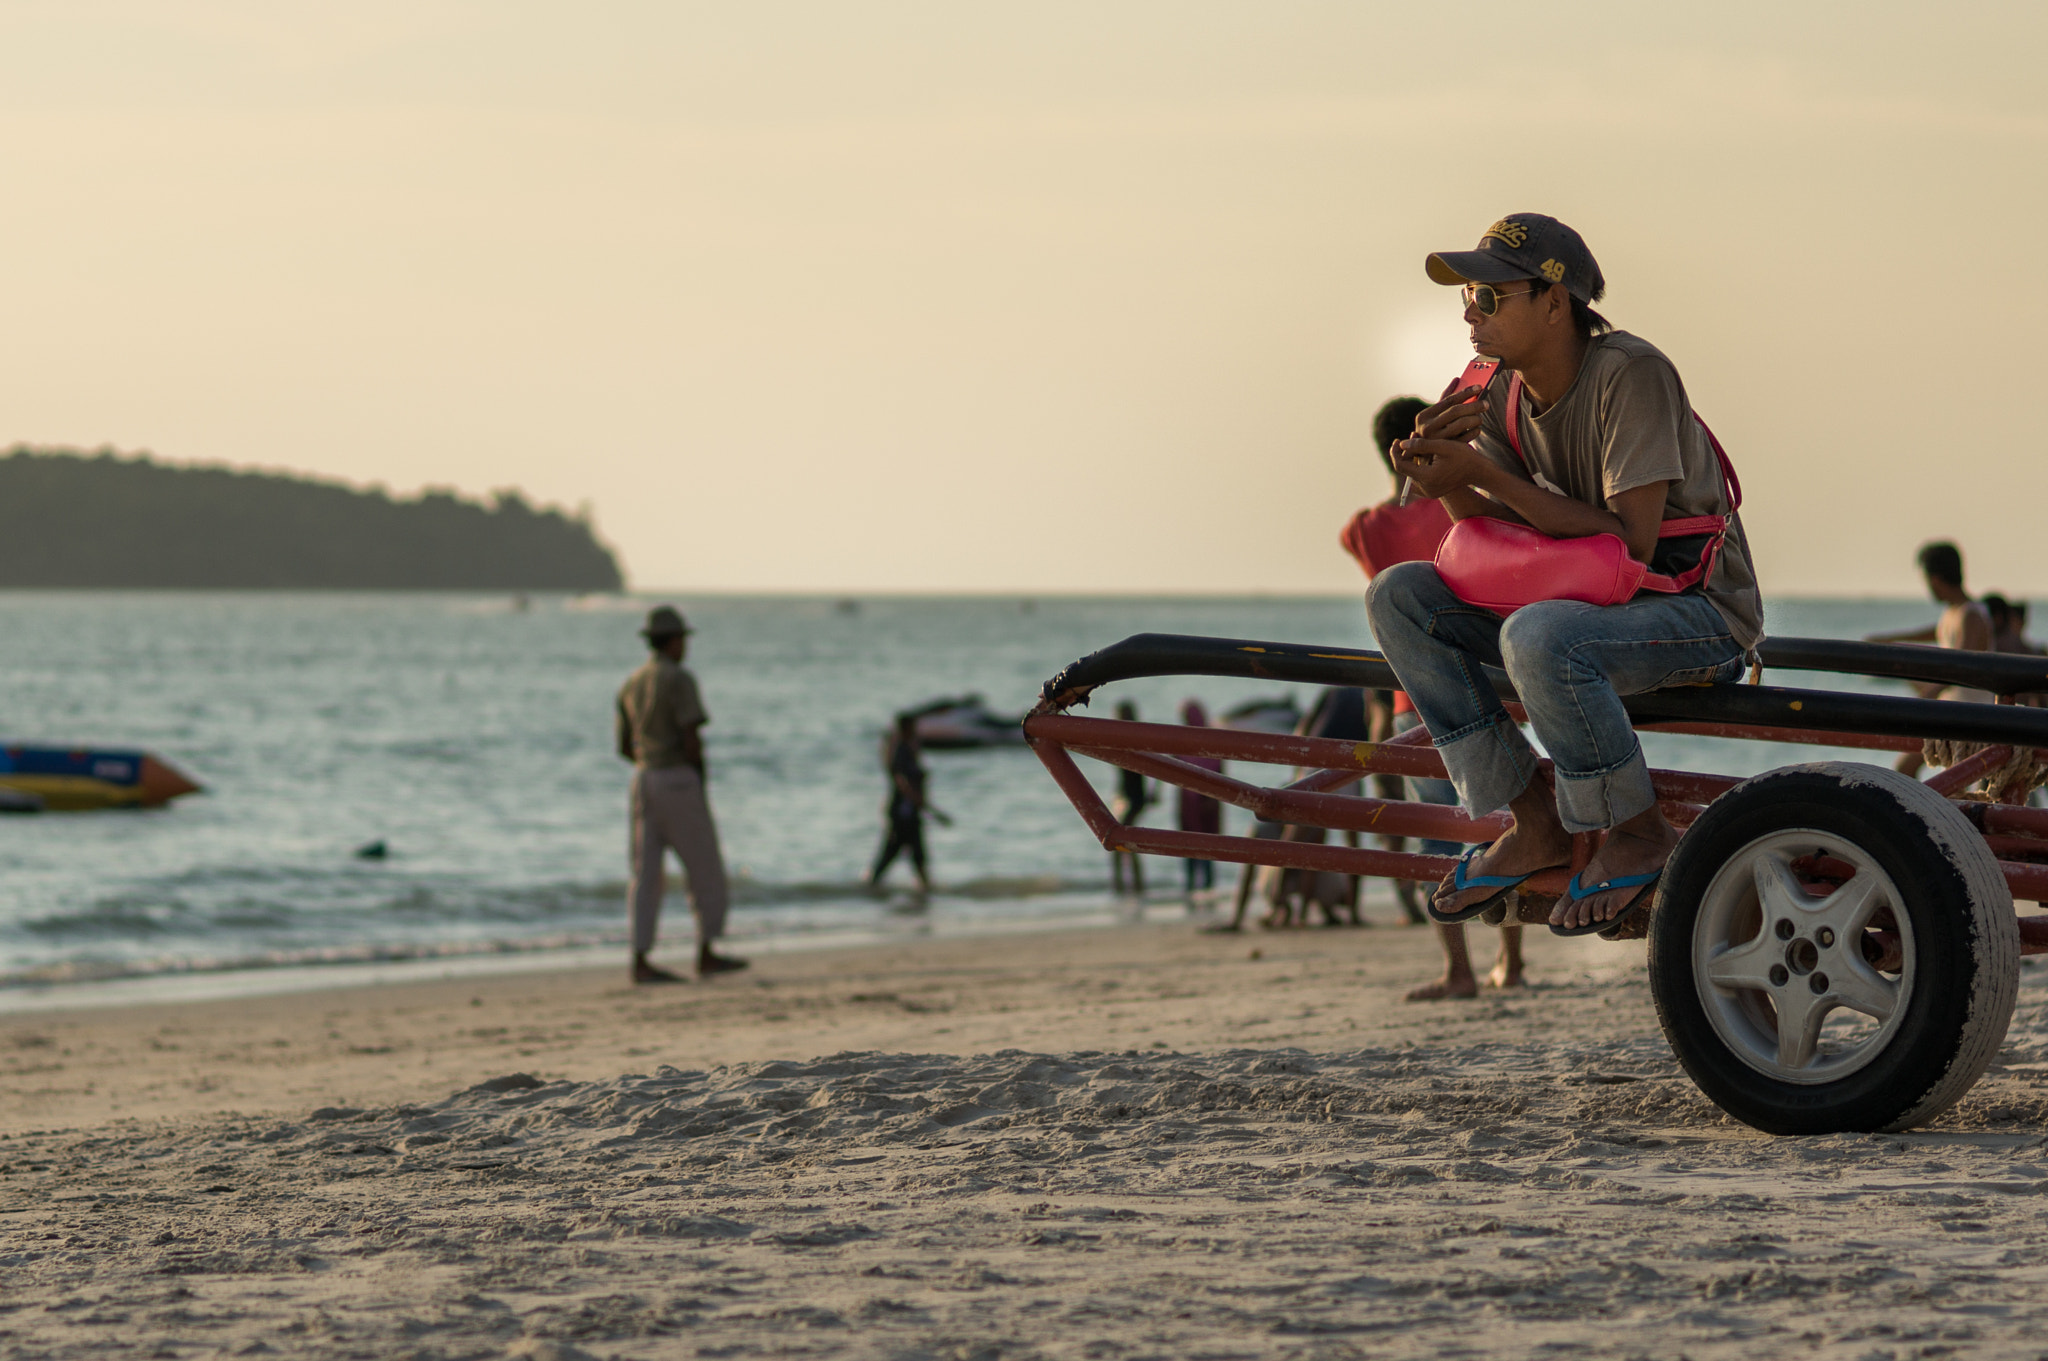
x,y
1570,663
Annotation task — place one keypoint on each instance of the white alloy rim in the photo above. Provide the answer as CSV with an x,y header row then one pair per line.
x,y
1774,963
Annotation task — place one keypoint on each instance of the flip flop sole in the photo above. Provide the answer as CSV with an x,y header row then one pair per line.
x,y
1645,891
1459,916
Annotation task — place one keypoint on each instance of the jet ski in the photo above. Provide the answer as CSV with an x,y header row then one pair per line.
x,y
965,721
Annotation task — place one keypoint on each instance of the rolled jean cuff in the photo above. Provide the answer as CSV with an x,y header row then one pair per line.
x,y
1489,766
1604,798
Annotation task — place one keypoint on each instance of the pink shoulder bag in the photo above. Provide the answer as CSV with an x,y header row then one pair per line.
x,y
1502,566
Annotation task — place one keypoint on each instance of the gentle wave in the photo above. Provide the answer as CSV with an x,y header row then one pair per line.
x,y
81,970
979,901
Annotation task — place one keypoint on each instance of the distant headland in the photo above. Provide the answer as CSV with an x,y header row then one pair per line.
x,y
75,520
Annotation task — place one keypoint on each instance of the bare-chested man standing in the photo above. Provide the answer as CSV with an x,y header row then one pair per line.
x,y
1964,624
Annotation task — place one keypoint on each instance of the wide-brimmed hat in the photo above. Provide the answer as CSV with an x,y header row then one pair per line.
x,y
663,621
1524,246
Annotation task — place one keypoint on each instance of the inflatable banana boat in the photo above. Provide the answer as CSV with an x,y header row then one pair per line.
x,y
84,778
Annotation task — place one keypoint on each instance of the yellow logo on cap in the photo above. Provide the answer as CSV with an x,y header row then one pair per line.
x,y
1551,270
1508,232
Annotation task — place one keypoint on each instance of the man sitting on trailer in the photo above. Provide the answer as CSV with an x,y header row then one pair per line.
x,y
1611,447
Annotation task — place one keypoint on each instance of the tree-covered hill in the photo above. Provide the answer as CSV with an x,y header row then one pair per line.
x,y
67,519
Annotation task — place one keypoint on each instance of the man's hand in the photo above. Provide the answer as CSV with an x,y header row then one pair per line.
x,y
1439,457
1456,415
1441,466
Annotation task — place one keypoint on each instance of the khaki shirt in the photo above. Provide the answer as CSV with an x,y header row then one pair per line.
x,y
1625,421
658,708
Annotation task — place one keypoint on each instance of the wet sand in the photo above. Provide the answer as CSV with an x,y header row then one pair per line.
x,y
1112,1143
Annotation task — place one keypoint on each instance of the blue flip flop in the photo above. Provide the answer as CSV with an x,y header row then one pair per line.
x,y
1645,882
1460,881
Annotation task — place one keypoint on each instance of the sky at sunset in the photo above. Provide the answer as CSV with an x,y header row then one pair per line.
x,y
1054,297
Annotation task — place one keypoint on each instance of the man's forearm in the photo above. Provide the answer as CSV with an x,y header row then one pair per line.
x,y
1467,504
1561,517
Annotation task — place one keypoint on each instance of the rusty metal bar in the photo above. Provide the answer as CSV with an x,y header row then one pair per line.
x,y
1316,752
1754,733
1337,812
1080,793
2010,819
1323,781
2029,883
1273,749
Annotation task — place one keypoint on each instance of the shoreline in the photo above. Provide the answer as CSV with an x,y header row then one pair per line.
x,y
202,983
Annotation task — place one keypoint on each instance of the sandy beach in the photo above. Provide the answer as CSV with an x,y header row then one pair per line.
x,y
1115,1143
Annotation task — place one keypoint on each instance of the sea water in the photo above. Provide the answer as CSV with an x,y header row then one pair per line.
x,y
472,736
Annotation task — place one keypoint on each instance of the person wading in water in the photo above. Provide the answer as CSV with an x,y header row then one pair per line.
x,y
904,809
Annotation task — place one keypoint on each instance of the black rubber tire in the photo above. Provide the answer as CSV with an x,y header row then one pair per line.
x,y
1965,936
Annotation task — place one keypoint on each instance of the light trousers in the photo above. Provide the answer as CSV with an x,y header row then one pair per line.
x,y
670,813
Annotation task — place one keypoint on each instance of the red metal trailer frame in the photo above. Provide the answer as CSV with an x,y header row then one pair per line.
x,y
2016,834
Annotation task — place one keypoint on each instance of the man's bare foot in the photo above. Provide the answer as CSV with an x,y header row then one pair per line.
x,y
709,963
1507,965
1450,985
643,972
1639,846
1525,849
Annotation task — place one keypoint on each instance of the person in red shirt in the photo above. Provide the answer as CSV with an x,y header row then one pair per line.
x,y
1378,537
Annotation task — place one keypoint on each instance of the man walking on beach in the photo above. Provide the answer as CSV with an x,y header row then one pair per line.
x,y
660,722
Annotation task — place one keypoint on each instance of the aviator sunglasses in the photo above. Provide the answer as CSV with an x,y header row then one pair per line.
x,y
1487,298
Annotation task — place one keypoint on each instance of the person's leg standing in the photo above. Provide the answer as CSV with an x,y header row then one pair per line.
x,y
684,816
913,840
644,888
892,846
1458,978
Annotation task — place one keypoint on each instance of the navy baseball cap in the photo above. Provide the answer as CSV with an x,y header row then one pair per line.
x,y
1524,246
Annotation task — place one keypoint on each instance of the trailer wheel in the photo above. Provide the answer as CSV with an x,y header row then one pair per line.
x,y
1834,949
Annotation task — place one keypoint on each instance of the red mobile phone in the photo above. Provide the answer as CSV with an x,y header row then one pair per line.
x,y
1478,373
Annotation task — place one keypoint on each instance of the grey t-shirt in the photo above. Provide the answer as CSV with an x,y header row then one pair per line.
x,y
1625,421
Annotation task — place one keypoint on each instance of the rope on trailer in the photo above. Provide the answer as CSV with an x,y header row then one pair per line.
x,y
2022,773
